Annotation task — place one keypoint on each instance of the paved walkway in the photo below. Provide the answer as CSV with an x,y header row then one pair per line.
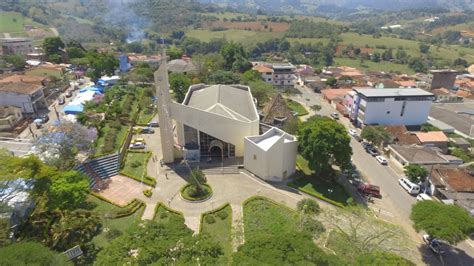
x,y
237,226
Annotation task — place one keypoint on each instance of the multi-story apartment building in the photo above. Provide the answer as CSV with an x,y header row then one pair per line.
x,y
29,97
390,106
277,74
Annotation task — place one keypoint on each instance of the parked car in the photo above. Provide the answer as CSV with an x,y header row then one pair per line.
x,y
373,151
138,140
368,189
61,101
41,119
366,145
137,145
437,246
153,124
353,132
409,186
423,196
68,94
147,130
335,116
381,160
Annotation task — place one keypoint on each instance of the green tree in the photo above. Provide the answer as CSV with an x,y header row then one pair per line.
x,y
223,77
31,253
16,61
418,65
75,52
282,249
68,191
249,76
416,173
174,52
52,47
375,57
381,258
179,83
424,48
447,222
375,134
331,81
261,91
101,64
324,141
161,244
235,57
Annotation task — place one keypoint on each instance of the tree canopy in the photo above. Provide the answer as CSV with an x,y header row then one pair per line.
x,y
416,173
52,47
447,222
179,83
68,191
322,141
375,134
235,57
381,258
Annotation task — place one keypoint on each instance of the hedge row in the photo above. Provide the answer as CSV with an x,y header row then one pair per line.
x,y
127,210
166,208
186,197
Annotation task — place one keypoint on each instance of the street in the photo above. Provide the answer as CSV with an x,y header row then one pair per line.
x,y
395,205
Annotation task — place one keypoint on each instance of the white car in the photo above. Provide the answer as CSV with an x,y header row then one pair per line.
x,y
353,132
137,145
381,160
409,186
423,196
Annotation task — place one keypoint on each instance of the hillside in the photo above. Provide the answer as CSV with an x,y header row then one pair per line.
x,y
329,7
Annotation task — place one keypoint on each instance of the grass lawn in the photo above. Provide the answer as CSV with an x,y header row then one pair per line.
x,y
41,71
242,36
221,230
262,216
163,215
135,164
327,190
296,107
13,22
372,66
121,224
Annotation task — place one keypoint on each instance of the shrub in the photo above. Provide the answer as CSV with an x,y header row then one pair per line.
x,y
112,234
192,191
147,193
136,164
163,215
115,124
210,219
222,214
308,206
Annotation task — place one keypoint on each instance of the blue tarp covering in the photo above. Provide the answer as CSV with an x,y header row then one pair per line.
x,y
73,109
92,88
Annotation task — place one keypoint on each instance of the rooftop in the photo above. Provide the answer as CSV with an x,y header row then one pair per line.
x,y
332,94
232,101
262,69
23,78
20,87
181,66
418,155
433,136
269,138
453,179
371,92
400,135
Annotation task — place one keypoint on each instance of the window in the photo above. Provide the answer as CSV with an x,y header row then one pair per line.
x,y
276,76
388,112
269,79
255,156
403,108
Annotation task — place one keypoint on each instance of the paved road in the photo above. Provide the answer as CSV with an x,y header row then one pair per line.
x,y
396,202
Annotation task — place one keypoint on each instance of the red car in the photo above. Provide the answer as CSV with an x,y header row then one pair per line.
x,y
369,189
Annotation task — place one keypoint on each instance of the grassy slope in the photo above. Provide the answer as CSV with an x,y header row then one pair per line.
x,y
7,23
241,36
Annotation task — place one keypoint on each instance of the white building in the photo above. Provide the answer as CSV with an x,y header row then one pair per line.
x,y
272,155
28,96
277,74
391,106
215,119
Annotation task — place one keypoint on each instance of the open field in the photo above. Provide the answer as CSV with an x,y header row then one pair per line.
x,y
372,66
13,22
252,25
242,36
309,40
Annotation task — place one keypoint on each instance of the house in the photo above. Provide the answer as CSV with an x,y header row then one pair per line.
x,y
444,78
334,96
443,95
272,155
419,155
266,72
407,84
284,74
10,117
28,96
135,59
391,106
433,139
40,80
454,184
16,46
183,65
276,112
401,136
460,143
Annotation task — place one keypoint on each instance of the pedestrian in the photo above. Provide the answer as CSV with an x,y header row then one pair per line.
x,y
153,158
166,175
